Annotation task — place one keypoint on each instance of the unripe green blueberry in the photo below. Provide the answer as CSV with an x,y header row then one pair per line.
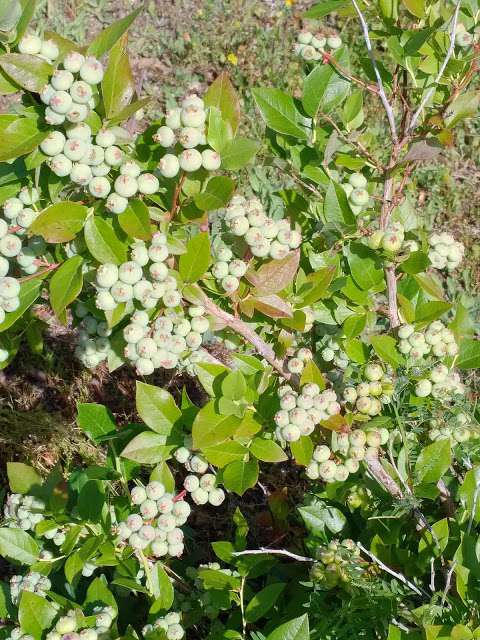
x,y
99,187
198,464
211,160
463,39
392,241
91,71
190,138
359,197
101,170
94,157
193,115
439,349
75,149
148,183
114,158
291,433
60,102
116,203
122,292
375,240
237,268
10,246
53,118
144,366
173,119
373,372
107,275
295,365
4,267
341,473
328,354
327,470
304,37
363,404
193,340
73,61
352,465
77,113
130,168
200,324
220,270
230,284
423,388
311,471
191,483
81,92
53,144
146,347
321,453
405,331
334,42
61,80
278,251
155,490
49,50
130,272
12,207
374,438
66,624
199,496
375,407
357,181
9,287
172,299
29,195
30,43
105,138
81,174
165,136
190,160
169,166
138,495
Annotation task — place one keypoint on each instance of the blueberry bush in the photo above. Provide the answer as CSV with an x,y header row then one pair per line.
x,y
323,479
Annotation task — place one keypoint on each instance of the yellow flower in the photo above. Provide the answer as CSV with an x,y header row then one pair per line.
x,y
289,3
232,58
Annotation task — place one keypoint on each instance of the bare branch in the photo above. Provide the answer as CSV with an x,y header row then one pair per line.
x,y
381,89
393,573
278,552
429,93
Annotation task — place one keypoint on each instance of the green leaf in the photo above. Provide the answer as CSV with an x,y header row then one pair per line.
x,y
207,373
95,420
66,284
35,614
263,601
91,501
302,450
162,474
107,38
157,408
237,153
324,88
216,194
118,85
469,356
468,492
316,285
267,450
280,113
103,243
234,386
129,111
17,546
386,349
311,373
336,209
222,95
416,262
356,350
29,292
319,516
162,589
194,263
354,325
365,266
28,10
30,72
222,454
430,311
433,461
464,106
135,220
296,629
60,222
147,448
18,136
211,428
98,594
239,476
22,478
325,7
219,132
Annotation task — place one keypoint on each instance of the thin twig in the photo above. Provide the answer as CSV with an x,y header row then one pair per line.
x,y
393,573
429,93
381,89
277,552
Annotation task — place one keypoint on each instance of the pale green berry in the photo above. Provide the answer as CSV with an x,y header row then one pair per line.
x,y
182,454
122,292
199,496
53,144
173,119
116,203
12,207
53,118
61,102
91,71
99,187
107,275
373,372
140,254
46,94
211,160
463,39
169,166
172,299
9,287
61,80
114,157
392,241
193,100
73,61
130,168
81,174
374,438
49,49
30,43
321,453
75,149
159,548
224,254
295,365
357,181
142,289
405,331
190,160
26,217
239,225
327,470
359,197
105,138
423,388
278,251
189,137
101,171
77,113
193,115
328,354
191,483
29,195
130,272
155,490
334,42
230,284
10,246
133,333
363,404
4,267
81,92
237,268
312,472
158,270
148,183
200,324
165,136
66,624
220,270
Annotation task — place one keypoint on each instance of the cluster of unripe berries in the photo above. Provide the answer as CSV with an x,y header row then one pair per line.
x,y
144,278
334,353
392,240
20,211
337,562
89,164
441,383
33,581
300,412
357,194
56,534
199,601
184,128
445,252
72,625
369,396
264,236
93,343
17,634
171,624
36,46
459,429
436,340
156,528
203,490
22,511
311,47
171,338
227,269
297,360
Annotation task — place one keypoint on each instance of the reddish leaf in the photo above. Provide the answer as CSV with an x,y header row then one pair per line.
x,y
275,275
273,306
